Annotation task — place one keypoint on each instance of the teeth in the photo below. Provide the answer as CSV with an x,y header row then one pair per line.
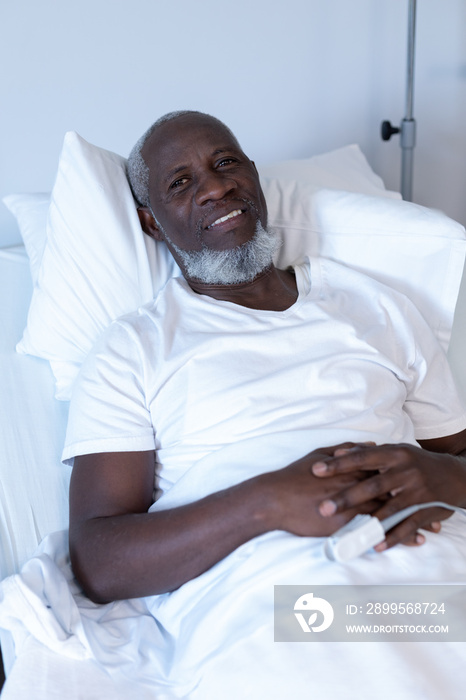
x,y
231,215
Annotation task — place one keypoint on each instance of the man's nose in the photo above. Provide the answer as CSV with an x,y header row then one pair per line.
x,y
213,186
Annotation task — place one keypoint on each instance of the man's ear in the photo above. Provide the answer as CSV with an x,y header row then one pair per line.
x,y
148,223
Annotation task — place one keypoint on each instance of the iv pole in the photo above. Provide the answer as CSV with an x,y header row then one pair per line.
x,y
407,130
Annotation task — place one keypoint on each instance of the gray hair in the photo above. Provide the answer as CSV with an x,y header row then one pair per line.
x,y
231,266
137,170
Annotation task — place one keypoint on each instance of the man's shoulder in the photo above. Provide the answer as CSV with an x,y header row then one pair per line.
x,y
337,276
361,296
156,308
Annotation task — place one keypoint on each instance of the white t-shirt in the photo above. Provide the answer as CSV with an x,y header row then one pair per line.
x,y
187,374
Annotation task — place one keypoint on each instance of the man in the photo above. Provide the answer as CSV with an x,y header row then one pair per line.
x,y
240,333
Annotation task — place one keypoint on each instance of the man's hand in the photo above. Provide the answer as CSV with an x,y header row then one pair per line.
x,y
401,476
119,550
294,495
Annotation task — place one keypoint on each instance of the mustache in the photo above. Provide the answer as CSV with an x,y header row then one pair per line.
x,y
201,224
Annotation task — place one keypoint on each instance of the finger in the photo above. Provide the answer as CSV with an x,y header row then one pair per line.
x,y
379,486
343,450
330,451
427,518
381,457
418,538
415,540
344,461
407,532
340,519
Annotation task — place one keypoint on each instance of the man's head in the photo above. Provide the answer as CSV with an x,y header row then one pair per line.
x,y
201,194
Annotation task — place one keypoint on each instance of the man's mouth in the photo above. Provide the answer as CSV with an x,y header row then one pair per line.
x,y
222,219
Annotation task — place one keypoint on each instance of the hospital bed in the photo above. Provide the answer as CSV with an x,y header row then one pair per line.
x,y
56,296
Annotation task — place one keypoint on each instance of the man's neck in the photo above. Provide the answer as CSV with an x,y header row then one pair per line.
x,y
271,290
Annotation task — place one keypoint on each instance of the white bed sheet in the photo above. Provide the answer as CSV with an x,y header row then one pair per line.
x,y
214,636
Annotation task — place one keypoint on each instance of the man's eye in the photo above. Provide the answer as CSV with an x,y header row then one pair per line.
x,y
226,161
178,183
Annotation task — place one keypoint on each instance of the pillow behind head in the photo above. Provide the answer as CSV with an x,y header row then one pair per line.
x,y
415,250
344,168
96,264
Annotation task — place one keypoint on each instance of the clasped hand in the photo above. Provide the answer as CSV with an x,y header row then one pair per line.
x,y
326,488
397,476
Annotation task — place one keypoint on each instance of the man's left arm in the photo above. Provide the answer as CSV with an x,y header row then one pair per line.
x,y
406,475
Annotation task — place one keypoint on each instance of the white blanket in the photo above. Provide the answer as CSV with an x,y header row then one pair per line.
x,y
213,638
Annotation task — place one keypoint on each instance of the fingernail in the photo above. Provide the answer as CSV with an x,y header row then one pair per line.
x,y
436,527
381,547
327,508
319,468
420,539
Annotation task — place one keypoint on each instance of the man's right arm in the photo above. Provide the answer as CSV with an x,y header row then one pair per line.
x,y
119,550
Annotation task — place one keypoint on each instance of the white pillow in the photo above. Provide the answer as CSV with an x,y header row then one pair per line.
x,y
416,250
97,263
342,169
31,211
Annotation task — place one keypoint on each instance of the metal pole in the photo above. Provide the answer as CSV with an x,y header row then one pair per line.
x,y
408,124
407,128
410,73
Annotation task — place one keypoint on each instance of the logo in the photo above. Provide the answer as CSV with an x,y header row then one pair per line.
x,y
312,605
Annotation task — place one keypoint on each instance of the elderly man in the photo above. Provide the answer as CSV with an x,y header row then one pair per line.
x,y
237,352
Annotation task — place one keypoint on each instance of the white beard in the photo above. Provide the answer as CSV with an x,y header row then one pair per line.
x,y
234,266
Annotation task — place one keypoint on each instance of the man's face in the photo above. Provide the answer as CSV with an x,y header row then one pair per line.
x,y
204,191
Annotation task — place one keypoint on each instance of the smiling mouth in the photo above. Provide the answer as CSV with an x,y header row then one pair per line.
x,y
222,219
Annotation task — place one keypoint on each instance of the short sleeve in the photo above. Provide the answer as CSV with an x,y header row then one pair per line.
x,y
108,411
433,402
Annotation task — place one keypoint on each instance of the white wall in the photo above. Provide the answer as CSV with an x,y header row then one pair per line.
x,y
291,78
